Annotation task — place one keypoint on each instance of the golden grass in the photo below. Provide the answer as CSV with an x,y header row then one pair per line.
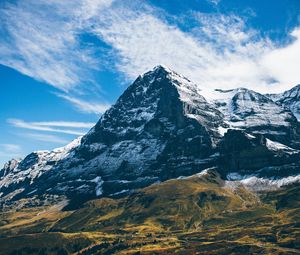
x,y
174,217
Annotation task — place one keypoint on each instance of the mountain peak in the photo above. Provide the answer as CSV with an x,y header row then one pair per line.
x,y
227,94
157,71
158,93
235,90
162,67
162,77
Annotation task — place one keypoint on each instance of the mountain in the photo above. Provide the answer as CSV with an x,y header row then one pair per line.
x,y
162,127
289,99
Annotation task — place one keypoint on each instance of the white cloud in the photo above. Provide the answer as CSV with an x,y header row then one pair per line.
x,y
219,52
86,106
40,126
283,63
47,138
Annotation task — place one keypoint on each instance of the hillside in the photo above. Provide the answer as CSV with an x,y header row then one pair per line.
x,y
200,213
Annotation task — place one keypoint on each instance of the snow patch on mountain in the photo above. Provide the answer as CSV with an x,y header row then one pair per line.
x,y
275,146
255,183
9,167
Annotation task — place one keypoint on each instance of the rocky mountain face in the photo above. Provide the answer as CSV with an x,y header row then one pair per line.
x,y
163,127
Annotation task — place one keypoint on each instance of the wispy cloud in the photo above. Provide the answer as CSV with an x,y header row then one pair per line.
x,y
47,138
215,2
86,106
40,39
212,55
8,147
219,52
42,126
8,150
73,124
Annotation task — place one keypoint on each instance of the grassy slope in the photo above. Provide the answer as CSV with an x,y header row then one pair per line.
x,y
196,215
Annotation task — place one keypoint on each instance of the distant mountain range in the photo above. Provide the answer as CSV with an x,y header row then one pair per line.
x,y
164,127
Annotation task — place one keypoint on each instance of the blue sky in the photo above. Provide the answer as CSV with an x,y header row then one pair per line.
x,y
63,63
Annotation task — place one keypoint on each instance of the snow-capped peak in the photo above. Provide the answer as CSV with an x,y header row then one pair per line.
x,y
162,72
162,67
76,142
9,166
